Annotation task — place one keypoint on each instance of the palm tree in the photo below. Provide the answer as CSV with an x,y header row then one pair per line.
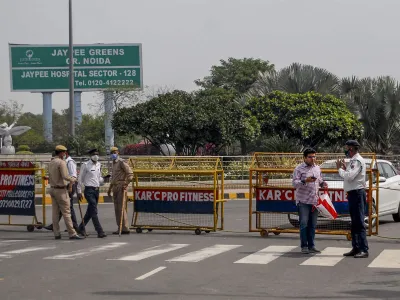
x,y
297,78
376,102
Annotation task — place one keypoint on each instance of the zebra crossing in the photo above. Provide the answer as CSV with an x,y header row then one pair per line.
x,y
329,256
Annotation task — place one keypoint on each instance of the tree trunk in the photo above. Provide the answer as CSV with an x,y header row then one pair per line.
x,y
243,147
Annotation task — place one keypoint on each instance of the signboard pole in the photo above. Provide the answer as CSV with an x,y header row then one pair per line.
x,y
78,107
108,109
47,117
71,74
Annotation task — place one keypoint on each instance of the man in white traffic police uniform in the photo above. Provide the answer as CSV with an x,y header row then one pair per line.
x,y
354,185
90,177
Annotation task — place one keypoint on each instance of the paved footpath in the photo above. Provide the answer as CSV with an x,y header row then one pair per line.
x,y
181,265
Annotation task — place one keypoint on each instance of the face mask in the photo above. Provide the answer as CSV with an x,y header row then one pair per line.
x,y
114,156
94,158
347,153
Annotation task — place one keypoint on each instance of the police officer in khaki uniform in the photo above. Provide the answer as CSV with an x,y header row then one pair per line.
x,y
58,178
122,175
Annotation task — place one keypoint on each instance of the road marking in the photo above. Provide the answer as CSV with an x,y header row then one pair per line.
x,y
10,242
86,252
153,251
328,257
199,255
29,249
150,273
388,258
265,255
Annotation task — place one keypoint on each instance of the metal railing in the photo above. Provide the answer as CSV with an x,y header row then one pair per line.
x,y
236,168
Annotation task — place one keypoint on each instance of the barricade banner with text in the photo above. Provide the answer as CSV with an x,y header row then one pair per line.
x,y
17,188
283,199
174,201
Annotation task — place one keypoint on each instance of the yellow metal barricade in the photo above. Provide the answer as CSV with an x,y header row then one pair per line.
x,y
17,192
178,193
272,206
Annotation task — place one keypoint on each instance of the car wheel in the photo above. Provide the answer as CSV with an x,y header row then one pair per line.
x,y
293,222
373,213
396,217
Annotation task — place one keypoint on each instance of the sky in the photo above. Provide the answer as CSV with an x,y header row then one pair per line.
x,y
182,39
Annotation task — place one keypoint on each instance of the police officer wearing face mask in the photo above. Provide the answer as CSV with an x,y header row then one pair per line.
x,y
354,185
90,177
122,175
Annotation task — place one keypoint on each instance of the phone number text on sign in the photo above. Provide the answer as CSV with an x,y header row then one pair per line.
x,y
174,195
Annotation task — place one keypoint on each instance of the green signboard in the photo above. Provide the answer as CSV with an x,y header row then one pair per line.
x,y
45,68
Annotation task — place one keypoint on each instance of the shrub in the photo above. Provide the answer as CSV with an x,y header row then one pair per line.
x,y
23,148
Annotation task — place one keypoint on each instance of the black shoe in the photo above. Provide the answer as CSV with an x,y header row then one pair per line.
x,y
351,253
49,227
101,235
81,231
362,254
314,250
57,237
75,237
122,232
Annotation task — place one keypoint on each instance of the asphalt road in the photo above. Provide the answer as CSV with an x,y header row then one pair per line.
x,y
181,265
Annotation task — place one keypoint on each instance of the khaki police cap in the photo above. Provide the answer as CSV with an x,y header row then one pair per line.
x,y
61,148
113,149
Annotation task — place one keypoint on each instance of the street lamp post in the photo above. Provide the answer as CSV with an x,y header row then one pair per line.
x,y
71,74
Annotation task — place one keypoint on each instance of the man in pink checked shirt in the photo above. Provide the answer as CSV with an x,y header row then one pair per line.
x,y
307,180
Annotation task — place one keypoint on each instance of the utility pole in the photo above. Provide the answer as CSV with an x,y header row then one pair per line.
x,y
71,74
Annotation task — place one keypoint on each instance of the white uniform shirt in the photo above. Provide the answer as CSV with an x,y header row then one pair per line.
x,y
354,176
71,165
89,175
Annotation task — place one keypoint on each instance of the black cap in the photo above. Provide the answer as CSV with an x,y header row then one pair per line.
x,y
93,150
352,143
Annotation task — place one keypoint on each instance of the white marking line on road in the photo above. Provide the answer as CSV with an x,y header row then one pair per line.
x,y
199,255
388,258
150,273
265,255
5,256
328,257
29,249
10,242
153,251
86,252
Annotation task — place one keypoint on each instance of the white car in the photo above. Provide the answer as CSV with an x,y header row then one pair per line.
x,y
389,191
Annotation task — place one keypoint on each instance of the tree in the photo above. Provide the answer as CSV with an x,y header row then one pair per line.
x,y
313,119
297,78
155,119
10,111
188,121
235,75
376,102
126,97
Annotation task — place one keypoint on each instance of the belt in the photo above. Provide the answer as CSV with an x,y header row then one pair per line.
x,y
92,187
58,187
354,191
